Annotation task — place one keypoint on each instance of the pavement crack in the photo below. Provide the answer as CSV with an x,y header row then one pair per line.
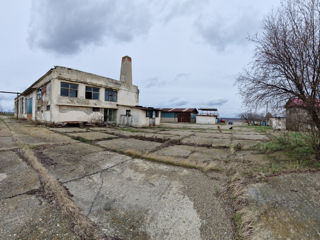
x,y
97,194
94,173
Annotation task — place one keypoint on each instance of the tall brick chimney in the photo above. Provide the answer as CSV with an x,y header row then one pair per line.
x,y
126,71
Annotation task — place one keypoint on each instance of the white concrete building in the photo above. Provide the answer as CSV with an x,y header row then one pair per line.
x,y
207,116
277,123
65,95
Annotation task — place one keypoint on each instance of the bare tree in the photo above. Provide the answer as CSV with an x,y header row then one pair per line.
x,y
287,58
286,63
252,118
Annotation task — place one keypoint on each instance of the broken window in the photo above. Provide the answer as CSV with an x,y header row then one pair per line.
x,y
110,95
69,89
92,93
39,93
128,113
48,107
95,109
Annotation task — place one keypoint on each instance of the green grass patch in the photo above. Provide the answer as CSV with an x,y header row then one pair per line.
x,y
290,150
261,129
81,139
237,217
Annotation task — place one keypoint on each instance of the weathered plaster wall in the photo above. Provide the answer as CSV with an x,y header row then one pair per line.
x,y
278,123
206,119
138,117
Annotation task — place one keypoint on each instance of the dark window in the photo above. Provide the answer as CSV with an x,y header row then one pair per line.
x,y
110,95
48,107
152,113
110,115
69,89
96,109
39,93
92,93
149,113
128,113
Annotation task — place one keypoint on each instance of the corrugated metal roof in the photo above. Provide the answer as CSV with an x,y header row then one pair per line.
x,y
180,110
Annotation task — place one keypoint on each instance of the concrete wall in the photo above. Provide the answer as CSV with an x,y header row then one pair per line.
x,y
278,123
80,109
169,120
137,119
200,119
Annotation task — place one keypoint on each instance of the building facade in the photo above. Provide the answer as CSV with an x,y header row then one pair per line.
x,y
297,116
172,115
65,95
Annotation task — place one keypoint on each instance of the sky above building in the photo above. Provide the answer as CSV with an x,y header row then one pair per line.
x,y
185,53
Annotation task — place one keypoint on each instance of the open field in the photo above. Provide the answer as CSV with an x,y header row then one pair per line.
x,y
178,181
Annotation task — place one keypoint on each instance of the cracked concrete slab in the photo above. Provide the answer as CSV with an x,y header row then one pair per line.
x,y
7,142
76,160
28,217
254,137
215,142
125,144
16,176
92,135
285,207
144,200
69,129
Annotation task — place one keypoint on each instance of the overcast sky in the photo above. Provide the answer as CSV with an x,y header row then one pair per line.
x,y
185,53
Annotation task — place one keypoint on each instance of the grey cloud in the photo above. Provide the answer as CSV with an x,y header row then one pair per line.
x,y
181,76
175,102
154,82
218,102
64,27
221,32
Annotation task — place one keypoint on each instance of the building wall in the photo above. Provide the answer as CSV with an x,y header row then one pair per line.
x,y
278,123
169,117
137,117
297,119
80,109
200,119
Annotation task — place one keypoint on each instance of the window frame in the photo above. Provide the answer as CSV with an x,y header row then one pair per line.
x,y
70,88
111,95
94,91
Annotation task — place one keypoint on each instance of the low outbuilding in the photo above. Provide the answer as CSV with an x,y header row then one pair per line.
x,y
207,116
171,115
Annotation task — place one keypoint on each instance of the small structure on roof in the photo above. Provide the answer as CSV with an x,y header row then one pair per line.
x,y
171,115
207,116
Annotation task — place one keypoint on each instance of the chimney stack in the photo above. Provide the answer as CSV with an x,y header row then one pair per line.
x,y
126,71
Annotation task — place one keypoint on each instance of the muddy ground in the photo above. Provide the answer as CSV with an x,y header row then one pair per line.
x,y
178,181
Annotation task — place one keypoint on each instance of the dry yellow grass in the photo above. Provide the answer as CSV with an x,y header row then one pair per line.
x,y
186,163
